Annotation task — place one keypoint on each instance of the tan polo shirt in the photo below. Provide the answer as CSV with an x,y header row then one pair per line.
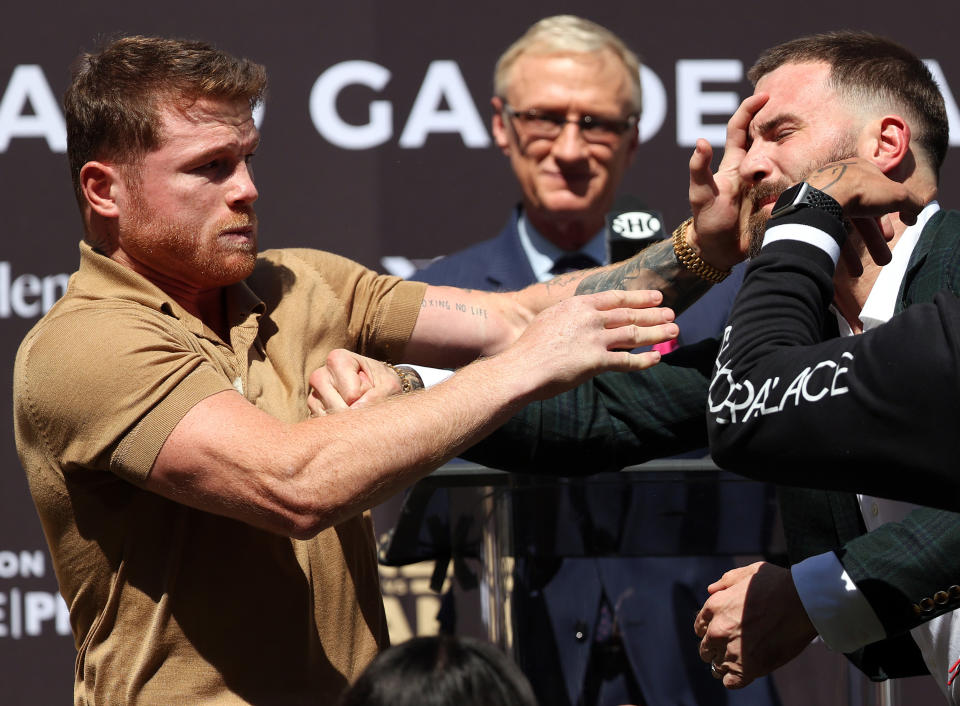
x,y
169,604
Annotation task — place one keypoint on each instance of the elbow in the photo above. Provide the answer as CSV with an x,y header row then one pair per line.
x,y
305,527
295,509
313,489
722,457
303,521
726,448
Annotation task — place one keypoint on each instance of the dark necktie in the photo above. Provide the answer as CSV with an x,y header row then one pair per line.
x,y
569,262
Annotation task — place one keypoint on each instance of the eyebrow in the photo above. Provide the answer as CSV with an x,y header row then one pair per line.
x,y
217,150
768,126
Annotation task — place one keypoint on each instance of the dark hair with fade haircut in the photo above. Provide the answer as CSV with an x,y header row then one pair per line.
x,y
867,68
111,106
441,670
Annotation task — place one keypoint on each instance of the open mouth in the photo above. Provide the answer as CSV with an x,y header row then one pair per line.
x,y
765,195
763,203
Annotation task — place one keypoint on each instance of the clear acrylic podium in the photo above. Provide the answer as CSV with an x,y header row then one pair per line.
x,y
678,507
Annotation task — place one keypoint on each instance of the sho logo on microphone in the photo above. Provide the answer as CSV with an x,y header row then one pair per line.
x,y
636,224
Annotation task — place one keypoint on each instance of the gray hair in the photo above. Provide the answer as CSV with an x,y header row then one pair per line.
x,y
567,33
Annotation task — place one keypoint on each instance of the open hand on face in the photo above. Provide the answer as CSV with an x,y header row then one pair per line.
x,y
716,199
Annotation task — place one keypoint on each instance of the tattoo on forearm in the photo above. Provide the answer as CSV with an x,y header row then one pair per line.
x,y
654,267
447,305
561,281
836,170
435,304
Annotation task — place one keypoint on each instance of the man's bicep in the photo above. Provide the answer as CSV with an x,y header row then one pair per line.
x,y
103,390
219,459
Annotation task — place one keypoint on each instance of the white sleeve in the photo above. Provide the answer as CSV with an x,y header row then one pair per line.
x,y
430,376
838,610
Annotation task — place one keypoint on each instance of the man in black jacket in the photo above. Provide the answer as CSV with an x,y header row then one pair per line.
x,y
858,96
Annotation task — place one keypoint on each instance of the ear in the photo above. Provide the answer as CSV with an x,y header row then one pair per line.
x,y
890,142
634,142
100,183
498,127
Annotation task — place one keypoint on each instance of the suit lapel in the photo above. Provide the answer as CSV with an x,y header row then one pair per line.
x,y
508,267
935,262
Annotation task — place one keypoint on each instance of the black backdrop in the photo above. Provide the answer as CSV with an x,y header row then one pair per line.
x,y
426,181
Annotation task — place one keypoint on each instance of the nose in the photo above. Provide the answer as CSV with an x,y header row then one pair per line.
x,y
243,191
569,146
756,164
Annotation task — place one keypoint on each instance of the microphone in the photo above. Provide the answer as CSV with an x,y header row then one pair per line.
x,y
631,227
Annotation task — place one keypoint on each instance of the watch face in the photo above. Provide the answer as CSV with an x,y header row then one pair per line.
x,y
789,199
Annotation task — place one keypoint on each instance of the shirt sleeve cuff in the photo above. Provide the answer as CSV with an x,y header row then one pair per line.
x,y
838,610
430,376
804,234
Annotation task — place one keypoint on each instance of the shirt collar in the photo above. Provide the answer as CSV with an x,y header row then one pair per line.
x,y
542,254
103,278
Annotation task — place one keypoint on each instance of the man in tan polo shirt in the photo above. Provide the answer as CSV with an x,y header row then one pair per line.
x,y
209,536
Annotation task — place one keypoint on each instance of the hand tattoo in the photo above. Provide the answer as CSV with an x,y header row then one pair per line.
x,y
836,170
654,267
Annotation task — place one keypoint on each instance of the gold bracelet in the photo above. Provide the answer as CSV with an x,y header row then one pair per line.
x,y
689,258
409,378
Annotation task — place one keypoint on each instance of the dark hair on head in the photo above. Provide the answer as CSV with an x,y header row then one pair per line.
x,y
867,69
112,104
441,671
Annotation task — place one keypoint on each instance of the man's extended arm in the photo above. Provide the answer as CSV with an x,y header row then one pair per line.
x,y
227,457
456,325
613,421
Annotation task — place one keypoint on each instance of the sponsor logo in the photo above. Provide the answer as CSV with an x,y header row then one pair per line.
x,y
28,296
636,225
25,612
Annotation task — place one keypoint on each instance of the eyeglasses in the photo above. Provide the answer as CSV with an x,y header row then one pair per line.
x,y
547,125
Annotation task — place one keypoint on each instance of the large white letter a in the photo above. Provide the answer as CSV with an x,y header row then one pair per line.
x,y
28,83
